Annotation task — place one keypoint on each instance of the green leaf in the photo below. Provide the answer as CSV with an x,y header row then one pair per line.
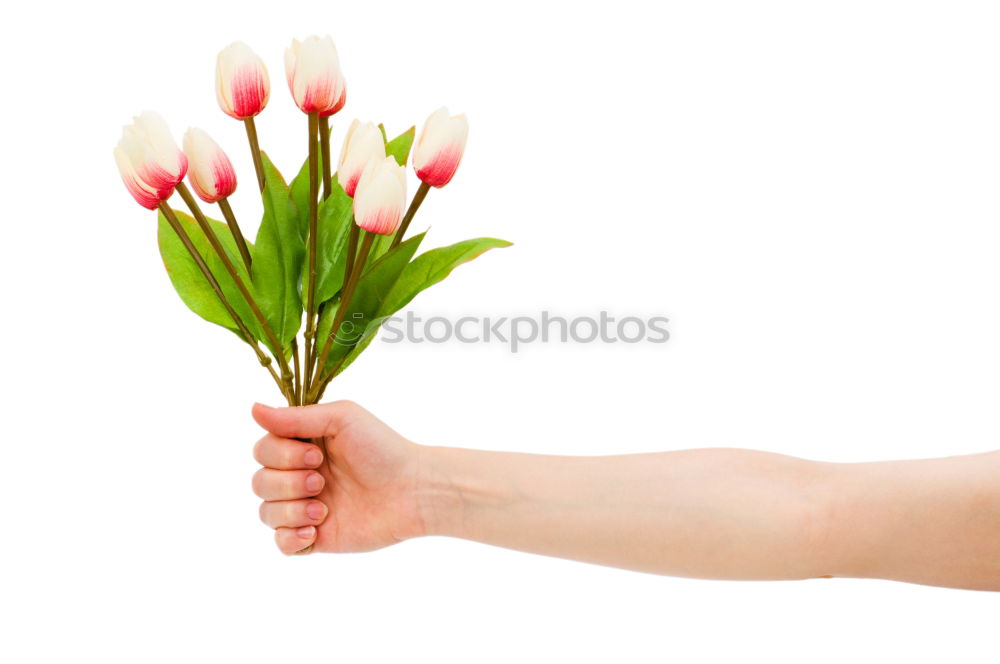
x,y
277,263
428,269
434,266
373,289
333,229
399,147
379,247
334,223
191,284
328,221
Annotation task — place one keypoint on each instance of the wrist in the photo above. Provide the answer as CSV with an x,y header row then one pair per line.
x,y
446,484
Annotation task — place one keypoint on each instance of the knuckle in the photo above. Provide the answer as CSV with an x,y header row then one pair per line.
x,y
284,486
289,456
345,408
262,512
256,482
258,449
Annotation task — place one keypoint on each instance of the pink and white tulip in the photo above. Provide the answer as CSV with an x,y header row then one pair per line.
x,y
380,197
149,160
314,77
210,172
242,85
362,145
440,147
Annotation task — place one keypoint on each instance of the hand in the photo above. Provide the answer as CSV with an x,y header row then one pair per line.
x,y
356,490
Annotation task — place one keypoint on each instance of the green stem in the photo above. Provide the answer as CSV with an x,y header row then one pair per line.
x,y
276,347
258,163
324,143
317,394
313,214
234,228
418,198
345,303
297,370
352,250
213,282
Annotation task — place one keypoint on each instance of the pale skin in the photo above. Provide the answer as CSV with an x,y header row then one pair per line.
x,y
710,513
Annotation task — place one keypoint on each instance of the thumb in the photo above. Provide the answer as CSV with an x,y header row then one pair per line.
x,y
300,421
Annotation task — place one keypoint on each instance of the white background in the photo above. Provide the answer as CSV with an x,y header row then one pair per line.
x,y
808,190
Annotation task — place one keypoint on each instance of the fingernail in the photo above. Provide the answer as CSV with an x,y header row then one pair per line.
x,y
314,482
306,532
313,457
314,510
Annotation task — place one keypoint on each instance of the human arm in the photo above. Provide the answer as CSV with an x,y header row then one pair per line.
x,y
713,513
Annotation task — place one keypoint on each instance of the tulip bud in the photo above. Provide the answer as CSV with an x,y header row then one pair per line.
x,y
241,82
150,162
380,196
210,173
439,148
362,145
314,76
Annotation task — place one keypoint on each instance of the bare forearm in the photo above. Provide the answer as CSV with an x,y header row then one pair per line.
x,y
703,513
736,514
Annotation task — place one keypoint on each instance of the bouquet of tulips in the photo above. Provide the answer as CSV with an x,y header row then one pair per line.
x,y
330,244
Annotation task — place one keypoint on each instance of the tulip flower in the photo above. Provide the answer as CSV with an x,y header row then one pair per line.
x,y
439,149
314,77
362,145
243,87
436,156
241,82
213,179
380,197
336,107
210,172
149,160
